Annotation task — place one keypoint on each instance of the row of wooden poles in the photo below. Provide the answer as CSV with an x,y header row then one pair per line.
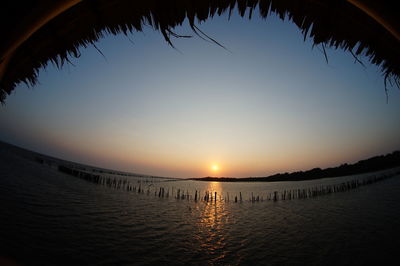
x,y
209,196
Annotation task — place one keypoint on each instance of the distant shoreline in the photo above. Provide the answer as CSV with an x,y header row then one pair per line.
x,y
52,161
373,164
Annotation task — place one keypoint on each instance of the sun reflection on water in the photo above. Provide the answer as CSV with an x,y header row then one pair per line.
x,y
213,216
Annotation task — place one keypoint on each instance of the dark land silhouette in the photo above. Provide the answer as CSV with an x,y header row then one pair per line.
x,y
159,186
373,164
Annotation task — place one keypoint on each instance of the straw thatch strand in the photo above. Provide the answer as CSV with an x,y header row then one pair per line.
x,y
42,31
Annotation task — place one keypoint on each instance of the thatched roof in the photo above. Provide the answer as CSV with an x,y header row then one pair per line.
x,y
37,32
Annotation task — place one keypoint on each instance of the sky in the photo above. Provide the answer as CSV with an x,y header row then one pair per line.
x,y
268,103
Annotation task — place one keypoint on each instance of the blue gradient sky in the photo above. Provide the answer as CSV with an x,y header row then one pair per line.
x,y
269,104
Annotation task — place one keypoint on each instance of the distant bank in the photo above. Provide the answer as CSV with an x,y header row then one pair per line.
x,y
55,162
373,164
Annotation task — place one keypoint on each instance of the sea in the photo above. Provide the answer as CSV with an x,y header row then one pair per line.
x,y
48,217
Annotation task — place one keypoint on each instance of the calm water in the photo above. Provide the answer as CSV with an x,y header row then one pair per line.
x,y
47,217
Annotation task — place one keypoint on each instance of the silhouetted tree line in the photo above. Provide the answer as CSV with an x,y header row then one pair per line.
x,y
376,163
369,165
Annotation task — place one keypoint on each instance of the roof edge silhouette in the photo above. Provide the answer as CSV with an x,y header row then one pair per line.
x,y
43,31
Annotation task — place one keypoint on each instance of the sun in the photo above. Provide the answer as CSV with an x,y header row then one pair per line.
x,y
215,167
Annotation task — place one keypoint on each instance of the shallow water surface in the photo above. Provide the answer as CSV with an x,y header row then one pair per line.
x,y
48,217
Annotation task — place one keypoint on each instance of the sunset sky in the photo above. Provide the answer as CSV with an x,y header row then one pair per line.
x,y
269,103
